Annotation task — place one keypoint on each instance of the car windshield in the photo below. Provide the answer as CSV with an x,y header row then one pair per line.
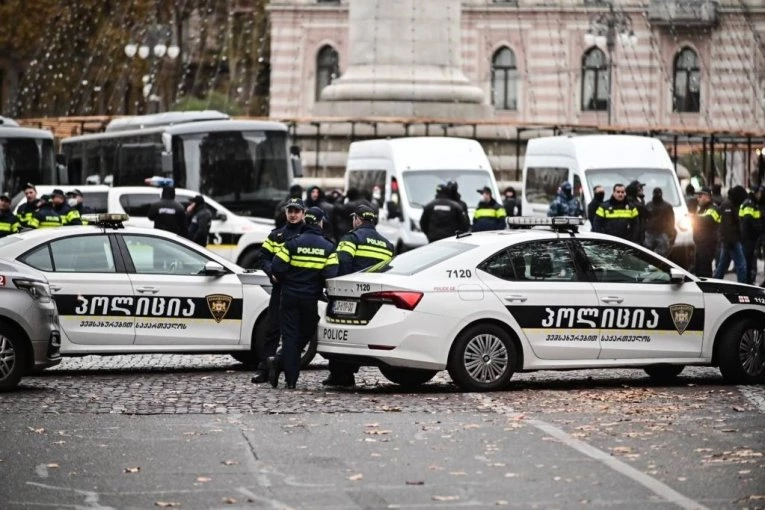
x,y
421,185
651,177
412,262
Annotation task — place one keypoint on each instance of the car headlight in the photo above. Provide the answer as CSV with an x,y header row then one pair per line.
x,y
684,223
39,291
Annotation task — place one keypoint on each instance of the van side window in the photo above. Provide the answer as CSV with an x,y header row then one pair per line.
x,y
542,183
371,184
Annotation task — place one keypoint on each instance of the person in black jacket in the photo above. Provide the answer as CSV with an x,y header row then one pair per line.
x,y
295,214
27,210
443,217
511,203
315,198
598,196
617,217
750,221
359,249
706,232
168,214
660,229
200,219
636,198
730,235
454,194
302,266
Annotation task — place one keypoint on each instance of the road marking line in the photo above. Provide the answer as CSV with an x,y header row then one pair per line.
x,y
657,487
755,395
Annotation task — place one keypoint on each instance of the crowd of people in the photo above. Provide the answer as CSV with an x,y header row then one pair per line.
x,y
58,209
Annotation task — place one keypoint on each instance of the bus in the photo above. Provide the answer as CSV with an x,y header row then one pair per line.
x,y
244,165
26,155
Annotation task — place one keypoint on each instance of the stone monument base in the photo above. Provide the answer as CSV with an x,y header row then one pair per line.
x,y
423,109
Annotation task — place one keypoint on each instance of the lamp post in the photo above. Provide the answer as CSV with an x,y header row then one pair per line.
x,y
154,48
605,29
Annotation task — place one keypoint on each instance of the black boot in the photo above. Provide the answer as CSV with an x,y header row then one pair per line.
x,y
260,376
274,370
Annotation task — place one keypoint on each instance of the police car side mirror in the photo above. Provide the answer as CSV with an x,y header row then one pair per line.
x,y
213,269
676,276
221,216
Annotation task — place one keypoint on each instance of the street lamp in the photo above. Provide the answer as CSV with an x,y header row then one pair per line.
x,y
605,29
153,46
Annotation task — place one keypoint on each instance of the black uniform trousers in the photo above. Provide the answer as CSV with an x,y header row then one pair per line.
x,y
706,253
270,343
300,316
751,262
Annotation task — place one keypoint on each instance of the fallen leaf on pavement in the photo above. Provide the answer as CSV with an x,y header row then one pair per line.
x,y
445,498
472,426
229,501
132,469
167,504
36,431
356,477
415,482
203,479
375,432
52,465
738,409
230,463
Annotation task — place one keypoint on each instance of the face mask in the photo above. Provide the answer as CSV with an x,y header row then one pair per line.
x,y
72,202
600,195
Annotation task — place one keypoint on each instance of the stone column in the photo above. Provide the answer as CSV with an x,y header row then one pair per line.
x,y
404,61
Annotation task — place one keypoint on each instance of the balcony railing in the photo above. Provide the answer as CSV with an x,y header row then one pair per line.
x,y
696,13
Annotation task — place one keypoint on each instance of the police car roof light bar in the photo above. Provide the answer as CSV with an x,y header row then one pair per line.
x,y
106,220
562,222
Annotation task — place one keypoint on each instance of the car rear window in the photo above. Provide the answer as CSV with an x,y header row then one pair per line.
x,y
412,262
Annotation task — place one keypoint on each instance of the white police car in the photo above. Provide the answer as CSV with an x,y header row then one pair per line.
x,y
126,290
486,305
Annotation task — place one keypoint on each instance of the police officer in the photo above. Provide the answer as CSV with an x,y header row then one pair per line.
x,y
294,214
9,222
168,214
45,216
489,214
76,201
69,215
360,248
705,232
750,218
730,235
302,265
27,210
442,216
617,217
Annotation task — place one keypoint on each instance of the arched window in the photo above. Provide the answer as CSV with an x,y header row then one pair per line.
x,y
327,68
504,80
595,86
687,82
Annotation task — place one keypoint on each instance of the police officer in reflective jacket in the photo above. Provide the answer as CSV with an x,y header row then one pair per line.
x,y
617,217
27,210
360,248
294,212
68,214
705,232
9,222
302,266
45,216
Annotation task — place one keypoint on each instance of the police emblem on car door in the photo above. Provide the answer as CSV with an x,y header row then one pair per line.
x,y
178,305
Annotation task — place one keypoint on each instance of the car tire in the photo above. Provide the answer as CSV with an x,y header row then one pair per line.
x,y
742,353
663,373
483,358
309,352
251,259
13,360
250,358
407,377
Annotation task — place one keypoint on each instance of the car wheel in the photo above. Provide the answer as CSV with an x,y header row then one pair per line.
x,y
664,373
407,377
251,259
250,358
742,353
483,358
13,359
309,352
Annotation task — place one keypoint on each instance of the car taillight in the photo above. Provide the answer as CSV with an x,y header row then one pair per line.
x,y
406,300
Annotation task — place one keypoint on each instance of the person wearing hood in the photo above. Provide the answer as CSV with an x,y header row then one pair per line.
x,y
489,214
315,198
167,214
565,203
200,219
636,198
454,194
660,229
443,217
598,196
730,235
511,203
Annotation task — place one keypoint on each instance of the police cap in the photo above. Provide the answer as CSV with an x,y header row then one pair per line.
x,y
295,203
57,193
314,215
485,189
365,212
6,197
705,190
74,193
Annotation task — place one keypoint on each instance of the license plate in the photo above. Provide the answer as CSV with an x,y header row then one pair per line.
x,y
344,307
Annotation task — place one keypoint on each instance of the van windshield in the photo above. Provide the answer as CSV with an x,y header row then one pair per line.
x,y
421,184
651,177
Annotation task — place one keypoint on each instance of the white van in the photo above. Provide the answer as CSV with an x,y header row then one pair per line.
x,y
402,175
590,160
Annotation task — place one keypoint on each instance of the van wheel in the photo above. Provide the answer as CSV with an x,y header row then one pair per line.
x,y
407,377
251,259
13,359
742,353
483,358
663,373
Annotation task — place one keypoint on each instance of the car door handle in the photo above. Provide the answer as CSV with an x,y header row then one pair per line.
x,y
515,297
55,288
147,290
612,299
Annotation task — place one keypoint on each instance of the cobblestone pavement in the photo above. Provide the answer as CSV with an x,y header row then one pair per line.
x,y
216,384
